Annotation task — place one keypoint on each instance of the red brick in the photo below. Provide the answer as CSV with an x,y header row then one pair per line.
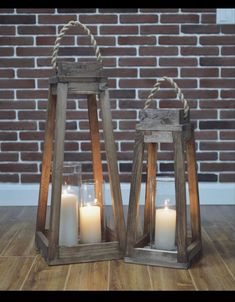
x,y
31,156
208,18
98,19
30,178
199,72
205,156
227,114
116,51
31,136
18,125
138,18
159,10
6,94
215,61
76,10
17,105
217,146
77,51
178,62
228,72
143,94
136,83
217,125
227,28
50,40
200,29
218,83
16,62
16,146
36,30
17,19
179,18
206,135
101,41
136,40
43,83
36,10
158,51
35,73
227,135
69,125
6,51
217,40
198,10
121,72
175,104
7,30
118,10
56,19
127,125
78,31
217,104
199,51
120,115
203,114
33,51
7,73
84,125
228,93
6,10
8,136
127,104
178,40
9,157
227,177
118,30
216,167
17,83
109,62
137,62
158,72
159,29
7,115
122,94
127,146
32,115
18,167
16,41
228,50
228,156
9,178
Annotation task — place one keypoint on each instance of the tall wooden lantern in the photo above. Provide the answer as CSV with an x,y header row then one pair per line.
x,y
78,78
163,239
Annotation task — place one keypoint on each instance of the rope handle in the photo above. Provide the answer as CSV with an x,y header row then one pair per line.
x,y
156,87
62,33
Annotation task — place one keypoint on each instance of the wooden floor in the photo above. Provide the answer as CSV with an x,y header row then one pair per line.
x,y
22,268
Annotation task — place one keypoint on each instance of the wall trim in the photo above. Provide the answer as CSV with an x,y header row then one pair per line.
x,y
27,194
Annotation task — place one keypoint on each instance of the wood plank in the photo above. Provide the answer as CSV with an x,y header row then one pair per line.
x,y
57,169
13,271
158,137
134,192
195,217
8,231
113,168
181,223
162,117
44,277
96,155
124,276
228,213
23,242
88,276
46,161
150,191
170,279
210,273
80,69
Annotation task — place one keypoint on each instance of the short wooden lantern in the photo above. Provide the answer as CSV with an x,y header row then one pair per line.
x,y
157,126
78,78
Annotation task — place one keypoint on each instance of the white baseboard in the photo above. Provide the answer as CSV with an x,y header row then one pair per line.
x,y
27,194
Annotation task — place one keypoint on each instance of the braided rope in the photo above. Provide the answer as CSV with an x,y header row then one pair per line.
x,y
156,87
62,33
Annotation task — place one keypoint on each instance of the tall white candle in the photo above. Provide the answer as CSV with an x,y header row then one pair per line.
x,y
68,235
165,222
90,224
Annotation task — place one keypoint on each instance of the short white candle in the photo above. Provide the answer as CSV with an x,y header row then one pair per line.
x,y
90,224
68,235
165,221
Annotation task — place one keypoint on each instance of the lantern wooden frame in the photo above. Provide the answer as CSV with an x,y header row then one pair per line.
x,y
161,125
78,78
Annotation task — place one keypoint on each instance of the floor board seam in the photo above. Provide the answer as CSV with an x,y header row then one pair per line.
x,y
22,285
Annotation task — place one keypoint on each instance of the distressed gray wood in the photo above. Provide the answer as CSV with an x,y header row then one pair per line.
x,y
181,223
193,189
194,249
42,243
46,162
113,169
163,116
158,137
57,169
152,126
80,69
134,191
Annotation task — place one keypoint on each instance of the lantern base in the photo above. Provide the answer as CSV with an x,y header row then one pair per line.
x,y
79,253
148,256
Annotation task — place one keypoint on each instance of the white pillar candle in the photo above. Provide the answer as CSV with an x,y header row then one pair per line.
x,y
90,224
165,222
68,220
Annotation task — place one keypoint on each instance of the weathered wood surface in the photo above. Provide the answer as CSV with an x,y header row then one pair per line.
x,y
46,162
134,192
57,169
114,180
80,69
158,137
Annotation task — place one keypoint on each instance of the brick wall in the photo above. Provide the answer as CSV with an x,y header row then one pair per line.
x,y
138,46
